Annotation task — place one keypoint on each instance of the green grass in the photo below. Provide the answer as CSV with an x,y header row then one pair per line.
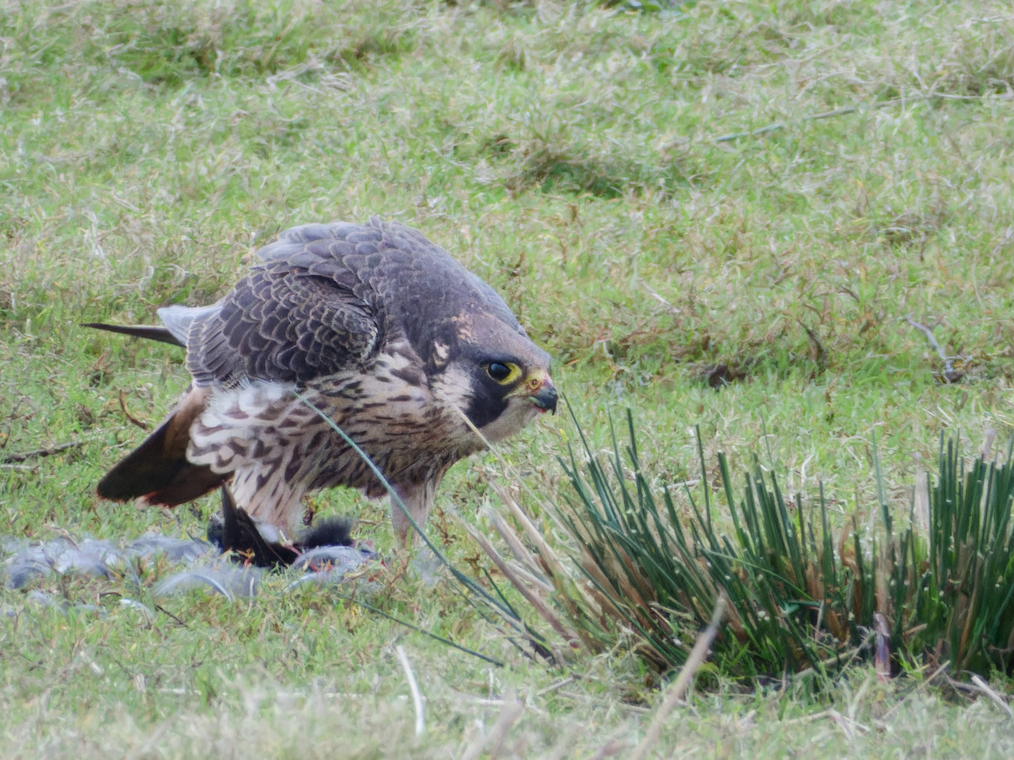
x,y
801,596
568,154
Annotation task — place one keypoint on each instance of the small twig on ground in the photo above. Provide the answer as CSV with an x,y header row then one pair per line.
x,y
554,686
131,418
817,352
164,611
815,117
950,375
10,458
964,688
996,698
929,336
778,125
847,725
677,691
806,718
413,686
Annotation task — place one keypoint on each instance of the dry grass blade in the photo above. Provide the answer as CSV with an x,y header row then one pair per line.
x,y
994,697
413,686
509,713
553,565
675,693
518,549
530,595
525,565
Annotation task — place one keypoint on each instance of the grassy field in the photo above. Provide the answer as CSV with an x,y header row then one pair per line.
x,y
772,187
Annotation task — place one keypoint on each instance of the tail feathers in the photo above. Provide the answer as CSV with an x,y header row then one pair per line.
x,y
161,334
158,469
179,319
329,531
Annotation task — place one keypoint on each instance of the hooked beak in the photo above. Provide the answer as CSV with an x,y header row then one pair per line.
x,y
545,397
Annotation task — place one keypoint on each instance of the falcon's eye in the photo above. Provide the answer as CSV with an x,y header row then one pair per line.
x,y
505,374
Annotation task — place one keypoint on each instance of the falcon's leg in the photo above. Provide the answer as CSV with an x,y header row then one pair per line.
x,y
418,498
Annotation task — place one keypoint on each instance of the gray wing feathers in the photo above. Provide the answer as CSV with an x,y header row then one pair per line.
x,y
323,298
294,243
300,314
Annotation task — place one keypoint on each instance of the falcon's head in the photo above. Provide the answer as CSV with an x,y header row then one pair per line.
x,y
493,373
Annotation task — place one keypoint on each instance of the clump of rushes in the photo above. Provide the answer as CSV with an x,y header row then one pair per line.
x,y
802,596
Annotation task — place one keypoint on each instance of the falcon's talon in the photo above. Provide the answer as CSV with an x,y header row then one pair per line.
x,y
373,325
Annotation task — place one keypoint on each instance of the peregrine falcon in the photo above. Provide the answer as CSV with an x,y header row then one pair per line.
x,y
415,358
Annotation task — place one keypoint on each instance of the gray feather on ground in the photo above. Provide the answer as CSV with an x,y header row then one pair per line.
x,y
200,564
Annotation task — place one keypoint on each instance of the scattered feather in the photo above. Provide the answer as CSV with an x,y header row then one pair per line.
x,y
227,579
204,567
